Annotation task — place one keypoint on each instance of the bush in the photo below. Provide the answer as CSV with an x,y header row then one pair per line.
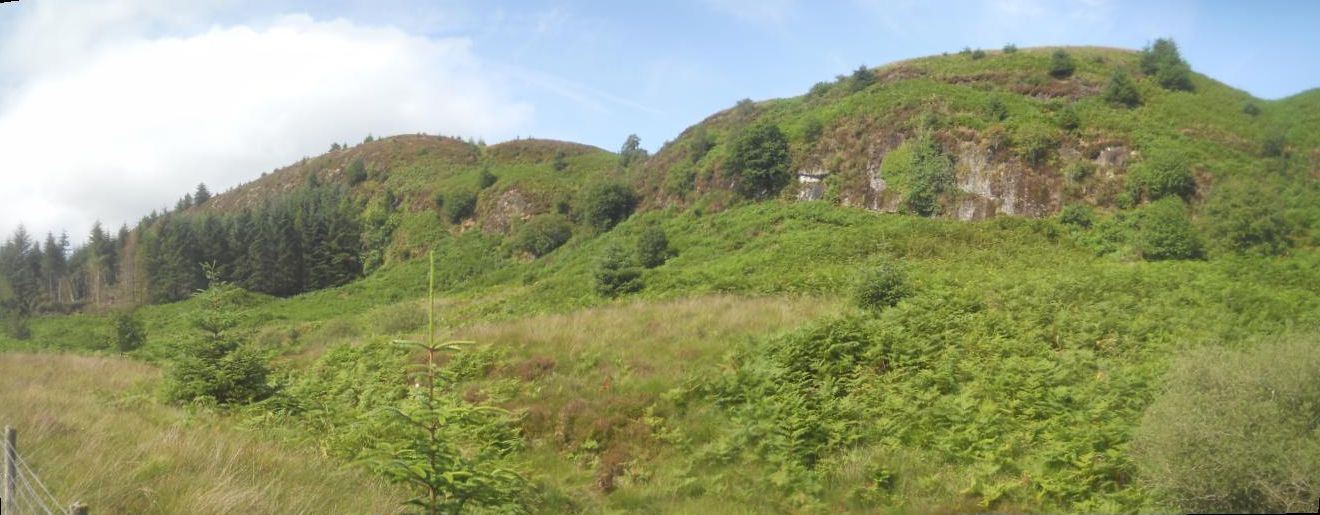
x,y
356,173
1163,62
219,363
1251,109
1234,431
998,111
1062,64
1035,143
1165,232
861,79
486,179
458,205
812,129
542,234
1078,171
1245,217
759,161
881,287
1010,49
631,152
603,205
652,247
560,161
927,172
1163,174
1274,145
700,143
615,274
1078,215
16,325
128,333
978,54
1121,90
1068,119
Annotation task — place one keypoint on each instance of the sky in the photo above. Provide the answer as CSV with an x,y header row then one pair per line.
x,y
112,108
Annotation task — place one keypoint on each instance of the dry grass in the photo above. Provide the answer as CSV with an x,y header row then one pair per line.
x,y
93,431
651,333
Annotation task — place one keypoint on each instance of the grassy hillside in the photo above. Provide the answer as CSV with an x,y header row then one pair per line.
x,y
1019,363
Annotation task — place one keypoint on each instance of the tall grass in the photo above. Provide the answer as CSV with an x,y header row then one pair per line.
x,y
91,428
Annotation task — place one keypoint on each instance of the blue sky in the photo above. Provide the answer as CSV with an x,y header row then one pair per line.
x,y
158,95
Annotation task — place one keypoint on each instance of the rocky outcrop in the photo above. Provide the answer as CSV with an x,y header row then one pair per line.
x,y
511,206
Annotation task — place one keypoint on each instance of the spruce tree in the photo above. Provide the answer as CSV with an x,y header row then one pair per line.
x,y
201,195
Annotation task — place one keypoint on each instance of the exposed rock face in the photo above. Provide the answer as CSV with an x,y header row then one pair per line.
x,y
511,206
1113,157
811,184
1001,187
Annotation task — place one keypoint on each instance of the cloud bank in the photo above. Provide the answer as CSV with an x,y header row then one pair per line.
x,y
138,103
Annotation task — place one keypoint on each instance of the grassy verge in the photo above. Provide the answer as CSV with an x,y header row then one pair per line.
x,y
91,429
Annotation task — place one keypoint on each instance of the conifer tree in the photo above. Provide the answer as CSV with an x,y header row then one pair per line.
x,y
201,195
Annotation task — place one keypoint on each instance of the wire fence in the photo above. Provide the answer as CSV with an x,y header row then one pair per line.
x,y
24,491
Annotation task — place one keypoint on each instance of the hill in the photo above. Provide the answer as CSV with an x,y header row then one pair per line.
x,y
954,283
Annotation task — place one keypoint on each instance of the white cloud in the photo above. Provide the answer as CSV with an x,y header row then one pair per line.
x,y
118,121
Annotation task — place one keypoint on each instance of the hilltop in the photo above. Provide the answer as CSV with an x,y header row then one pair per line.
x,y
1022,142
1017,280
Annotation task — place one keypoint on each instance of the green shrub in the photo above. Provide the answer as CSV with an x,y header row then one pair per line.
x,y
760,160
560,161
1163,174
604,204
881,287
680,179
615,274
812,129
1078,171
861,79
925,172
1121,90
1245,217
632,152
820,89
1165,232
1251,109
1068,119
700,143
652,247
1010,49
542,234
998,111
1235,431
1062,64
1163,62
1078,215
1274,145
978,54
1035,143
218,363
16,325
128,332
486,179
356,173
458,205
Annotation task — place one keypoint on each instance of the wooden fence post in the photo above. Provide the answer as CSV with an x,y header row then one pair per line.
x,y
11,469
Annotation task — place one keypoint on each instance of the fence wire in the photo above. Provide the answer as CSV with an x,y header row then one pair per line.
x,y
31,495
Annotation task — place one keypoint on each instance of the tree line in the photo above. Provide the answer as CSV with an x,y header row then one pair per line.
x,y
306,240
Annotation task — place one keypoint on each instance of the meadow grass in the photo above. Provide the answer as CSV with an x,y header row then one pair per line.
x,y
93,431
